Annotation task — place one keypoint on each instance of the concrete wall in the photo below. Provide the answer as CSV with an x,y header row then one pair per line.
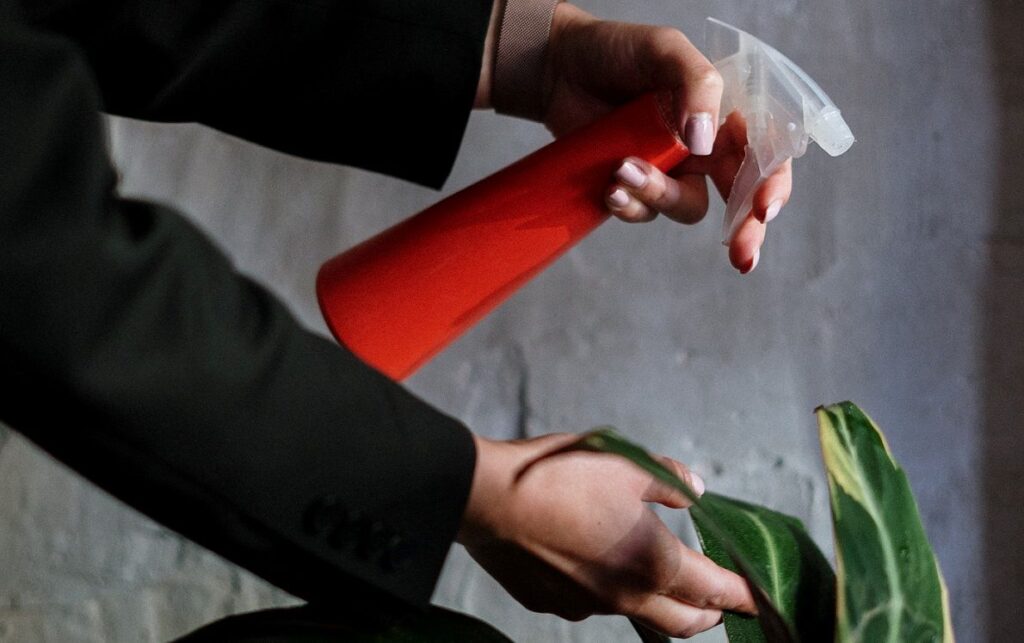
x,y
892,278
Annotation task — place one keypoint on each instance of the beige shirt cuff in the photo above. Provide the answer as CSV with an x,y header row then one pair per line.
x,y
517,88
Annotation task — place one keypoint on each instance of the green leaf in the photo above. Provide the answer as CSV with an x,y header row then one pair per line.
x,y
716,528
799,581
891,586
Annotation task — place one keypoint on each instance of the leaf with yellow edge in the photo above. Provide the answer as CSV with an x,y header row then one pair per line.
x,y
890,588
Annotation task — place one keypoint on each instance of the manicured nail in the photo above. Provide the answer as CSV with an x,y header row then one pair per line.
x,y
700,134
618,198
631,175
753,262
697,484
773,210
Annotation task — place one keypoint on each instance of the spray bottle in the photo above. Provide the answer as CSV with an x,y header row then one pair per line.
x,y
400,297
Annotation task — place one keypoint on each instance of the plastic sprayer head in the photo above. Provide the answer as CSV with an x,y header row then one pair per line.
x,y
831,132
783,106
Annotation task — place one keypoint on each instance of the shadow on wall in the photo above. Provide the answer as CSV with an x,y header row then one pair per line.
x,y
1003,441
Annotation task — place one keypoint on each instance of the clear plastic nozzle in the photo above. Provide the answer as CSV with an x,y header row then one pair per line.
x,y
784,109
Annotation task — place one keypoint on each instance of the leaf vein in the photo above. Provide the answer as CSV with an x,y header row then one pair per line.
x,y
895,604
773,560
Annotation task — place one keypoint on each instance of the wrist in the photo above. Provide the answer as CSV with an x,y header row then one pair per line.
x,y
484,85
565,18
492,480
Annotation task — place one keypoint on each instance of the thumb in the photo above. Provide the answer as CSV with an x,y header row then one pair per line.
x,y
697,87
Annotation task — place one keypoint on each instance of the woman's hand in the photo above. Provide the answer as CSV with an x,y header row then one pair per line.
x,y
639,191
594,65
573,536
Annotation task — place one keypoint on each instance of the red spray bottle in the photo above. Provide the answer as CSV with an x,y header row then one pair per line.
x,y
400,297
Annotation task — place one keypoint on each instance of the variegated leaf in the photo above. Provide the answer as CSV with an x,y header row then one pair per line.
x,y
890,586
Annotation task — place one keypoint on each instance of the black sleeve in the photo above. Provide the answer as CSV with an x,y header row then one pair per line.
x,y
386,85
132,351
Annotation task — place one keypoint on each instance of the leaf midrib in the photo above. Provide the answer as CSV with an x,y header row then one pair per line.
x,y
892,571
773,559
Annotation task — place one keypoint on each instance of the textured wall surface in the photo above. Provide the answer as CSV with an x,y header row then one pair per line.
x,y
892,278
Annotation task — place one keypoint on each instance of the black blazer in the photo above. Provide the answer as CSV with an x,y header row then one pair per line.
x,y
132,351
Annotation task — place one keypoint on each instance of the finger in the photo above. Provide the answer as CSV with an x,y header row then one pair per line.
x,y
627,207
745,247
693,199
675,618
773,194
698,86
702,583
669,496
684,200
724,162
694,481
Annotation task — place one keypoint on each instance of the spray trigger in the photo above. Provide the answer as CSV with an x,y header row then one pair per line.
x,y
784,109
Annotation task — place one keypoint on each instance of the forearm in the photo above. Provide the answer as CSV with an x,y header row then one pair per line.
x,y
185,388
384,85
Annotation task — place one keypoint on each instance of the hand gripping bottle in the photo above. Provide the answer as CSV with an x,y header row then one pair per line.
x,y
400,297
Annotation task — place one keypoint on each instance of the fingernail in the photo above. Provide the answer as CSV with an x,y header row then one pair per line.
x,y
618,198
630,174
753,262
700,134
697,484
773,210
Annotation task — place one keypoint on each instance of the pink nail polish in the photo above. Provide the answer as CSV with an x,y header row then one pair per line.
x,y
631,175
699,135
697,484
618,198
773,210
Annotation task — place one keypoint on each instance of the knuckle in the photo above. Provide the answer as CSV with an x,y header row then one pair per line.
x,y
728,592
668,40
714,593
657,191
679,468
706,77
713,598
668,48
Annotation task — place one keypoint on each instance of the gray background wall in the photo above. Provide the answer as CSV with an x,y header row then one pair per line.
x,y
893,278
